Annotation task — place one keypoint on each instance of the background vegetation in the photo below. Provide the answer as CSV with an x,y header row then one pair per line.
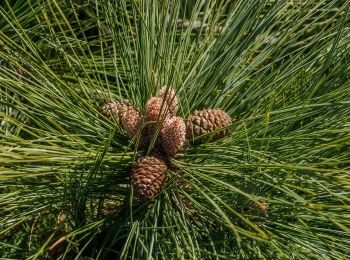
x,y
277,187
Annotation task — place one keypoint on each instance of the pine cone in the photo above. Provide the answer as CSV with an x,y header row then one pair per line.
x,y
169,95
153,110
156,112
131,121
115,109
173,135
148,176
207,120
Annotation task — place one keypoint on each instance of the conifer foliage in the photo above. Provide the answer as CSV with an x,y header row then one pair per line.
x,y
174,129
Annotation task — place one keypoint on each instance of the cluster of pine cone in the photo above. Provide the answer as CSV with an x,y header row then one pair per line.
x,y
167,133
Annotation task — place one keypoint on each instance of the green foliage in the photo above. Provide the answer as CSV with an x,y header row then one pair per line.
x,y
277,187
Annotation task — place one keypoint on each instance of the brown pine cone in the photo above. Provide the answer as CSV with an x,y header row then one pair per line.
x,y
208,120
156,112
131,121
156,109
169,95
148,176
115,109
173,135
